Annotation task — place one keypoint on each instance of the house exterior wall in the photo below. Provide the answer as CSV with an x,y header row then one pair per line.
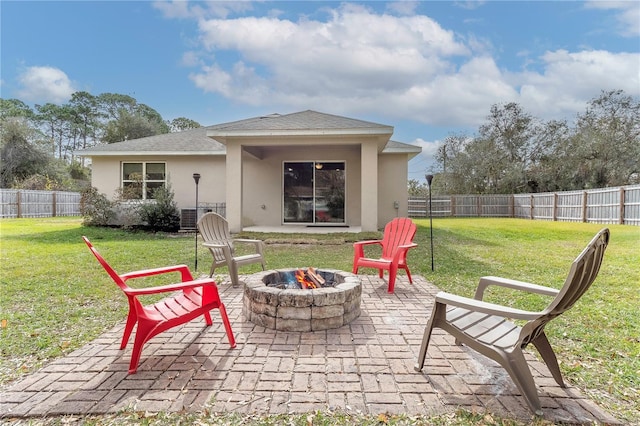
x,y
392,186
106,176
262,180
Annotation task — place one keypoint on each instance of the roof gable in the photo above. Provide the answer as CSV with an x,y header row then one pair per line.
x,y
299,123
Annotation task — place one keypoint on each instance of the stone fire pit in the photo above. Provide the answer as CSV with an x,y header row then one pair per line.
x,y
293,309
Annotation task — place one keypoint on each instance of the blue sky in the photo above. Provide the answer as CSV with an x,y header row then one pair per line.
x,y
427,68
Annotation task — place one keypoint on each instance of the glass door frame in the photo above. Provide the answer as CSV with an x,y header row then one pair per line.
x,y
293,207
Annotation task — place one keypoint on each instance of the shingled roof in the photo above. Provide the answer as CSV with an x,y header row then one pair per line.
x,y
187,142
202,141
303,122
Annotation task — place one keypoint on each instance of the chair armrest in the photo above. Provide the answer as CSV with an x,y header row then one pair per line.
x,y
358,248
183,269
402,250
171,287
259,244
247,240
367,242
408,246
485,307
485,282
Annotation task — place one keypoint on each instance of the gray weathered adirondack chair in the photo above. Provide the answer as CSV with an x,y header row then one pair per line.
x,y
217,238
486,327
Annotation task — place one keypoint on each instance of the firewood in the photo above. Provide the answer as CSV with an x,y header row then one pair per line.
x,y
316,278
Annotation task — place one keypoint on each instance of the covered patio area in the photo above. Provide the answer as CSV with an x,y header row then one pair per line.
x,y
365,367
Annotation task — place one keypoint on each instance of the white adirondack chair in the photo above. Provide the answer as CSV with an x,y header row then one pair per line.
x,y
217,238
488,329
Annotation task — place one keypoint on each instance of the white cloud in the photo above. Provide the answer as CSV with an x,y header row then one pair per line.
x,y
191,59
313,63
470,5
569,80
45,84
628,14
426,159
404,7
406,67
182,9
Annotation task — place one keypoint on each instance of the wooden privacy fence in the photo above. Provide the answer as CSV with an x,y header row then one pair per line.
x,y
618,205
28,203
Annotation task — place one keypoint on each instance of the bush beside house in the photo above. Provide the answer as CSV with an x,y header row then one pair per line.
x,y
159,214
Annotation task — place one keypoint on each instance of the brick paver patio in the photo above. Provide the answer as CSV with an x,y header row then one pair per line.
x,y
364,367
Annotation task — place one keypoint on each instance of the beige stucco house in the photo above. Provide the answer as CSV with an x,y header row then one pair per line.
x,y
304,169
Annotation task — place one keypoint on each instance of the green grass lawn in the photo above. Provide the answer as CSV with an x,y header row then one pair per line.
x,y
55,297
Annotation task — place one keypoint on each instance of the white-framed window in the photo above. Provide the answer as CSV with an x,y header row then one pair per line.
x,y
140,180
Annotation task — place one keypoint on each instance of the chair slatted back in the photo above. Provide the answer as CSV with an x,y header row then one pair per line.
x,y
398,232
582,274
215,228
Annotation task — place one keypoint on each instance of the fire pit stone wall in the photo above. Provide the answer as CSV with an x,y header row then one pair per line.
x,y
302,309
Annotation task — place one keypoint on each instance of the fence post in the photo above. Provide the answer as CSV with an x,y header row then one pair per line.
x,y
584,206
531,203
512,205
479,205
452,203
54,204
555,207
19,203
622,206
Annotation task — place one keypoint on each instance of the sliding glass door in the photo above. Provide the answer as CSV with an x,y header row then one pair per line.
x,y
313,192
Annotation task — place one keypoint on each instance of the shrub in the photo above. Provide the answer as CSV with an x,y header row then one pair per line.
x,y
158,214
95,208
161,213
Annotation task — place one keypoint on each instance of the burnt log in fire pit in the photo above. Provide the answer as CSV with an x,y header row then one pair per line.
x,y
274,299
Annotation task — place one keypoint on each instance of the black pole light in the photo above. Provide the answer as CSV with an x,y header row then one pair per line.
x,y
429,180
196,178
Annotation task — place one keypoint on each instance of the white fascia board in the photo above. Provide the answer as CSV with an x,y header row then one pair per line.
x,y
411,153
401,151
148,153
310,132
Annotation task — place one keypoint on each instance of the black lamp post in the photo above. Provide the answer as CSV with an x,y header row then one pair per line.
x,y
196,178
429,180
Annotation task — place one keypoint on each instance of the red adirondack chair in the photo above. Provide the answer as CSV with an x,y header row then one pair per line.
x,y
396,242
191,299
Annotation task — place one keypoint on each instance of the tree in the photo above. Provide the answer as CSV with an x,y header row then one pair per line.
x,y
127,119
181,123
417,189
62,129
19,159
57,122
554,168
515,152
112,103
607,141
455,162
127,127
509,139
15,108
153,117
86,117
